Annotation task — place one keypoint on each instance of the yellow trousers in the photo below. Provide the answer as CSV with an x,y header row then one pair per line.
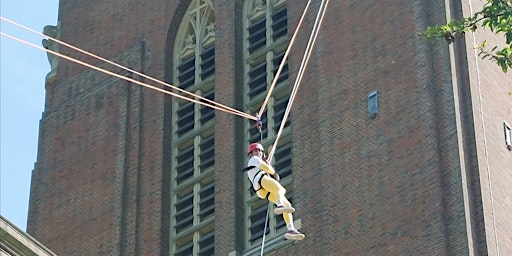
x,y
276,194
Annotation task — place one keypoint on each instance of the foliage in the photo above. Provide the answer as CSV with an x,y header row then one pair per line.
x,y
496,15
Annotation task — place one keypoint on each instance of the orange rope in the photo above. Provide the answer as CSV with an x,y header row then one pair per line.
x,y
283,61
305,60
124,77
213,104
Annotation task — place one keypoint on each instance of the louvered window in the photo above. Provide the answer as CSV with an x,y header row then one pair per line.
x,y
279,109
283,160
257,218
184,246
185,164
206,244
193,130
257,79
279,23
185,120
283,76
207,63
187,73
207,155
184,212
207,113
207,201
257,35
265,44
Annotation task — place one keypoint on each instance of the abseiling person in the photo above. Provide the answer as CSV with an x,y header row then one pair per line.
x,y
265,181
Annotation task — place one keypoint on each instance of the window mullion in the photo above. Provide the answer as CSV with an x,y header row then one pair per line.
x,y
195,236
268,25
259,59
198,47
197,142
197,188
270,104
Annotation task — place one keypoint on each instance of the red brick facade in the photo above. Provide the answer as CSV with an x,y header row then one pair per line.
x,y
429,175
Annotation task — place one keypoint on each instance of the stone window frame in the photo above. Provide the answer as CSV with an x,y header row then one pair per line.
x,y
262,57
192,224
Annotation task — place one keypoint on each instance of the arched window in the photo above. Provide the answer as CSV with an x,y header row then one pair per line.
x,y
193,180
266,40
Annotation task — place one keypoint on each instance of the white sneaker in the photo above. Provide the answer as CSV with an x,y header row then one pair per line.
x,y
294,235
280,209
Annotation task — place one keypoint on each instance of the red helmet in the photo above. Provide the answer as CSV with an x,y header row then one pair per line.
x,y
254,146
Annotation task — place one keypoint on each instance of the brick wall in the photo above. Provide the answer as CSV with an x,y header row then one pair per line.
x,y
226,173
97,187
492,105
406,182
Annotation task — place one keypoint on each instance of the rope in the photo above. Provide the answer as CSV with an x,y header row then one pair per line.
x,y
258,125
305,60
283,61
265,229
211,103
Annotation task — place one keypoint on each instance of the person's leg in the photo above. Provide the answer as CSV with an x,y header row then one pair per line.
x,y
272,186
262,193
277,195
292,233
287,216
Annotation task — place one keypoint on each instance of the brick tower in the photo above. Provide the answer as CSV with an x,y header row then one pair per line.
x,y
395,145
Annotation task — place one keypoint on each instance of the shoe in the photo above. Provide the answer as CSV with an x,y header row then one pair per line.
x,y
294,235
280,209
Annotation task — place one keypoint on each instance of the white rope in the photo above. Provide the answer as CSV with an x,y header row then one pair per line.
x,y
302,68
283,61
305,59
265,229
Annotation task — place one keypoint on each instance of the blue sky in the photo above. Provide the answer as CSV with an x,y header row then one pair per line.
x,y
22,72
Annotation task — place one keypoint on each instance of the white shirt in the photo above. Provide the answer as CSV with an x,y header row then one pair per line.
x,y
255,173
